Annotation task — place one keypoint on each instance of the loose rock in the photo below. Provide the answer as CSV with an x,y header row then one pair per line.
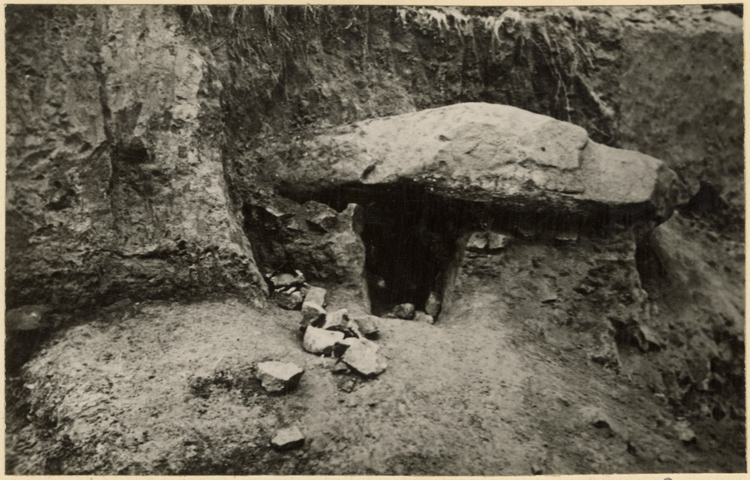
x,y
363,357
279,377
289,300
684,432
317,295
367,325
405,311
477,242
288,438
343,345
422,317
319,341
338,320
496,241
284,280
434,304
312,314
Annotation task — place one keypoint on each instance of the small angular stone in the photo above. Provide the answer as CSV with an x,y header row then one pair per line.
x,y
496,241
367,325
477,241
363,357
289,300
319,341
434,304
284,280
312,314
317,295
684,432
288,438
422,317
278,377
405,311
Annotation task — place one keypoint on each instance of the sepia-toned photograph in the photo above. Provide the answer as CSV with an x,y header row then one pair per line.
x,y
374,240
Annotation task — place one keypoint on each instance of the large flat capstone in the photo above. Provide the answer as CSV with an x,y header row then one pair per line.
x,y
479,152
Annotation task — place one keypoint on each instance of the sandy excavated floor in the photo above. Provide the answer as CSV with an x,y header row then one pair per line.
x,y
172,390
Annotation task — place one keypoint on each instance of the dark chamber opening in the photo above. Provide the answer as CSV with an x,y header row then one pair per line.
x,y
410,238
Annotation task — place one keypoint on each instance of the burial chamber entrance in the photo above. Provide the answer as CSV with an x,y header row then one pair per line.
x,y
410,237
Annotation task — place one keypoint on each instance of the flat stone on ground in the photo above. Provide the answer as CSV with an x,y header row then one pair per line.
x,y
319,341
363,357
278,377
288,438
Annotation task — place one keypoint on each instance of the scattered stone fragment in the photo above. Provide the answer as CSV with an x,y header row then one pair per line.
x,y
651,339
29,317
312,314
363,357
319,341
284,280
343,345
346,384
339,368
536,469
434,304
288,438
422,317
477,241
496,241
317,295
338,320
684,432
405,311
367,325
276,377
289,300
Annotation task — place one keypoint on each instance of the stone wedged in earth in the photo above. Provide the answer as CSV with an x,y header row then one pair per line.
x,y
491,154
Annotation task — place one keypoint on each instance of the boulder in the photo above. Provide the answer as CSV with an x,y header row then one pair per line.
x,y
362,356
319,341
434,304
404,311
486,153
288,438
316,295
278,377
367,325
312,314
289,299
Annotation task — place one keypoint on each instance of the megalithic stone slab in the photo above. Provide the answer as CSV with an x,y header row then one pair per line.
x,y
487,153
